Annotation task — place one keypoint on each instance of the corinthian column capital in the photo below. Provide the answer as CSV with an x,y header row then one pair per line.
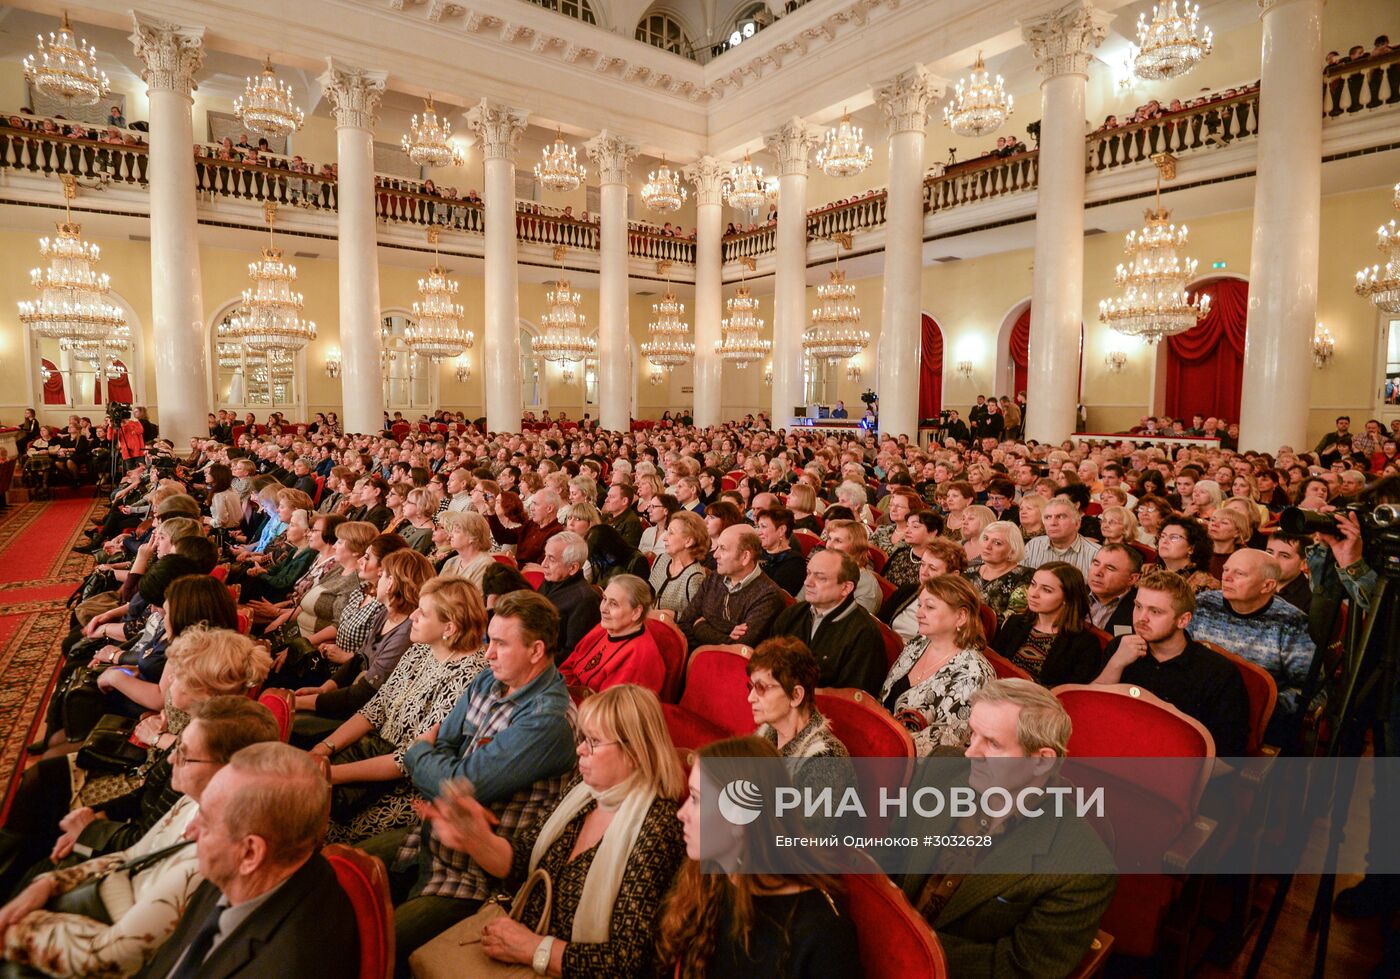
x,y
707,174
170,55
354,94
1062,41
906,98
497,128
612,155
792,144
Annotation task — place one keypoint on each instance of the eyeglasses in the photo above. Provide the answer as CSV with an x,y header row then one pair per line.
x,y
761,688
181,754
593,744
1172,537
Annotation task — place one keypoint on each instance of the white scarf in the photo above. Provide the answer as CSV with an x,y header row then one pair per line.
x,y
629,804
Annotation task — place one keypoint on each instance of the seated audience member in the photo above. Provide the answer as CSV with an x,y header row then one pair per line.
x,y
1062,540
1051,639
1228,530
469,537
162,867
1161,657
367,502
902,567
583,517
738,603
998,574
365,754
1040,924
850,537
802,501
842,636
782,558
783,680
618,512
287,564
539,528
975,519
1113,575
1290,551
572,597
609,555
314,618
928,689
719,922
1247,618
511,734
659,510
899,504
1029,508
899,611
613,837
618,649
1184,548
677,574
260,823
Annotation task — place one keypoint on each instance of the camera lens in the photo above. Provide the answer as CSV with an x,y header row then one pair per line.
x,y
1298,521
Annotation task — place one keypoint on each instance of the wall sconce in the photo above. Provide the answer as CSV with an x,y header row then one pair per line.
x,y
567,374
333,362
1323,346
656,376
853,372
965,369
463,368
768,375
1115,361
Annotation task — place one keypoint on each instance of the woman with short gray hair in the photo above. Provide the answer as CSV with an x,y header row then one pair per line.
x,y
619,649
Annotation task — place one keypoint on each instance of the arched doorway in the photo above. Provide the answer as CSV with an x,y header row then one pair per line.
x,y
250,380
930,369
1205,365
1013,352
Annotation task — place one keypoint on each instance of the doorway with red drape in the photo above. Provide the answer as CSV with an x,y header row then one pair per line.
x,y
1205,365
119,388
930,368
53,387
1019,344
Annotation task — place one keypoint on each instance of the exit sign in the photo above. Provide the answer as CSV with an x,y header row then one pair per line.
x,y
1217,265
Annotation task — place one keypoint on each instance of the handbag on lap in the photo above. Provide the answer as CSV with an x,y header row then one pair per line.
x,y
457,951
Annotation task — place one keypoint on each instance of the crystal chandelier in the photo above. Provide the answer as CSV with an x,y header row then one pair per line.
x,y
428,141
663,191
270,317
560,170
843,152
1323,346
436,331
744,187
1172,43
835,333
66,69
72,303
980,106
740,343
266,106
656,377
1381,283
562,339
1154,303
669,345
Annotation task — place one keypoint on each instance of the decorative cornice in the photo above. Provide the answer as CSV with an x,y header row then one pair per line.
x,y
612,155
905,99
792,145
497,128
707,174
354,94
1062,41
171,55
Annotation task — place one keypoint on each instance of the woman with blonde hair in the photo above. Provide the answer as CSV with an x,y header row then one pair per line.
x,y
676,575
1119,526
613,837
469,536
998,574
975,519
1229,530
416,527
802,501
1029,509
582,518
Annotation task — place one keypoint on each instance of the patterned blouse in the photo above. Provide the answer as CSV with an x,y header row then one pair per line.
x,y
1006,593
1031,656
903,567
675,591
938,708
358,621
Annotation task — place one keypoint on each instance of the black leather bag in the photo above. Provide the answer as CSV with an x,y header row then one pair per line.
x,y
83,703
108,748
86,898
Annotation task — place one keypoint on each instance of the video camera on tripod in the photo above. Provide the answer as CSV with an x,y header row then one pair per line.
x,y
1380,530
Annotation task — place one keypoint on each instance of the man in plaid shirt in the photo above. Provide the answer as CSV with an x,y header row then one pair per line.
x,y
512,736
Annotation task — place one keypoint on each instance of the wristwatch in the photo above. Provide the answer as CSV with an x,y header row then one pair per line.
x,y
330,744
543,951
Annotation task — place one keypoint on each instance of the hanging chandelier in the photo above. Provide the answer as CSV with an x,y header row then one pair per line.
x,y
1381,283
428,141
266,105
980,106
669,345
1154,303
436,331
835,333
843,152
562,338
66,69
744,187
663,190
1172,43
270,317
560,170
740,343
72,303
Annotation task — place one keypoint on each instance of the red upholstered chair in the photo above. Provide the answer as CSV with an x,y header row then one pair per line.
x,y
736,475
671,642
651,559
1004,668
887,587
245,623
893,644
238,431
1263,696
320,488
535,578
507,559
1103,637
807,542
728,483
895,941
365,882
714,703
1149,554
282,703
878,559
788,600
989,621
400,431
220,572
665,614
1095,959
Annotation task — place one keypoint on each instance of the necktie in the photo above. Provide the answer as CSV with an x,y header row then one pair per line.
x,y
198,948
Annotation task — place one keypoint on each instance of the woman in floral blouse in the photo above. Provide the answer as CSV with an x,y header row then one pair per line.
x,y
929,687
998,574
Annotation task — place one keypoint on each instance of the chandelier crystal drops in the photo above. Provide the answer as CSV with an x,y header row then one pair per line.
x,y
835,333
663,190
740,343
266,105
843,152
559,170
436,331
745,187
270,317
73,303
1171,43
562,339
1380,284
428,141
670,343
65,68
980,106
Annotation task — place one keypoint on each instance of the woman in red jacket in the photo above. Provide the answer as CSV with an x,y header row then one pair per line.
x,y
618,649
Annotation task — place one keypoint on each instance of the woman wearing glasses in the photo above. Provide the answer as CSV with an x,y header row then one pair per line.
x,y
783,677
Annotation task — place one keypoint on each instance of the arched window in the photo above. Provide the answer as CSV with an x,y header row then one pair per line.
x,y
753,18
819,380
248,378
531,381
87,374
408,378
577,9
664,31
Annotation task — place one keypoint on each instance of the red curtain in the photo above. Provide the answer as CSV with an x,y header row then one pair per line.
x,y
1020,348
1205,365
931,369
53,387
119,388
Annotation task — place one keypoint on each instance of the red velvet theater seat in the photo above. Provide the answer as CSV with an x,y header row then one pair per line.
x,y
364,881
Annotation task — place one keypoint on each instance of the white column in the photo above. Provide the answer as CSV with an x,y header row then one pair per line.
x,y
498,128
905,101
612,155
1284,251
171,56
707,174
354,94
1061,43
792,145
